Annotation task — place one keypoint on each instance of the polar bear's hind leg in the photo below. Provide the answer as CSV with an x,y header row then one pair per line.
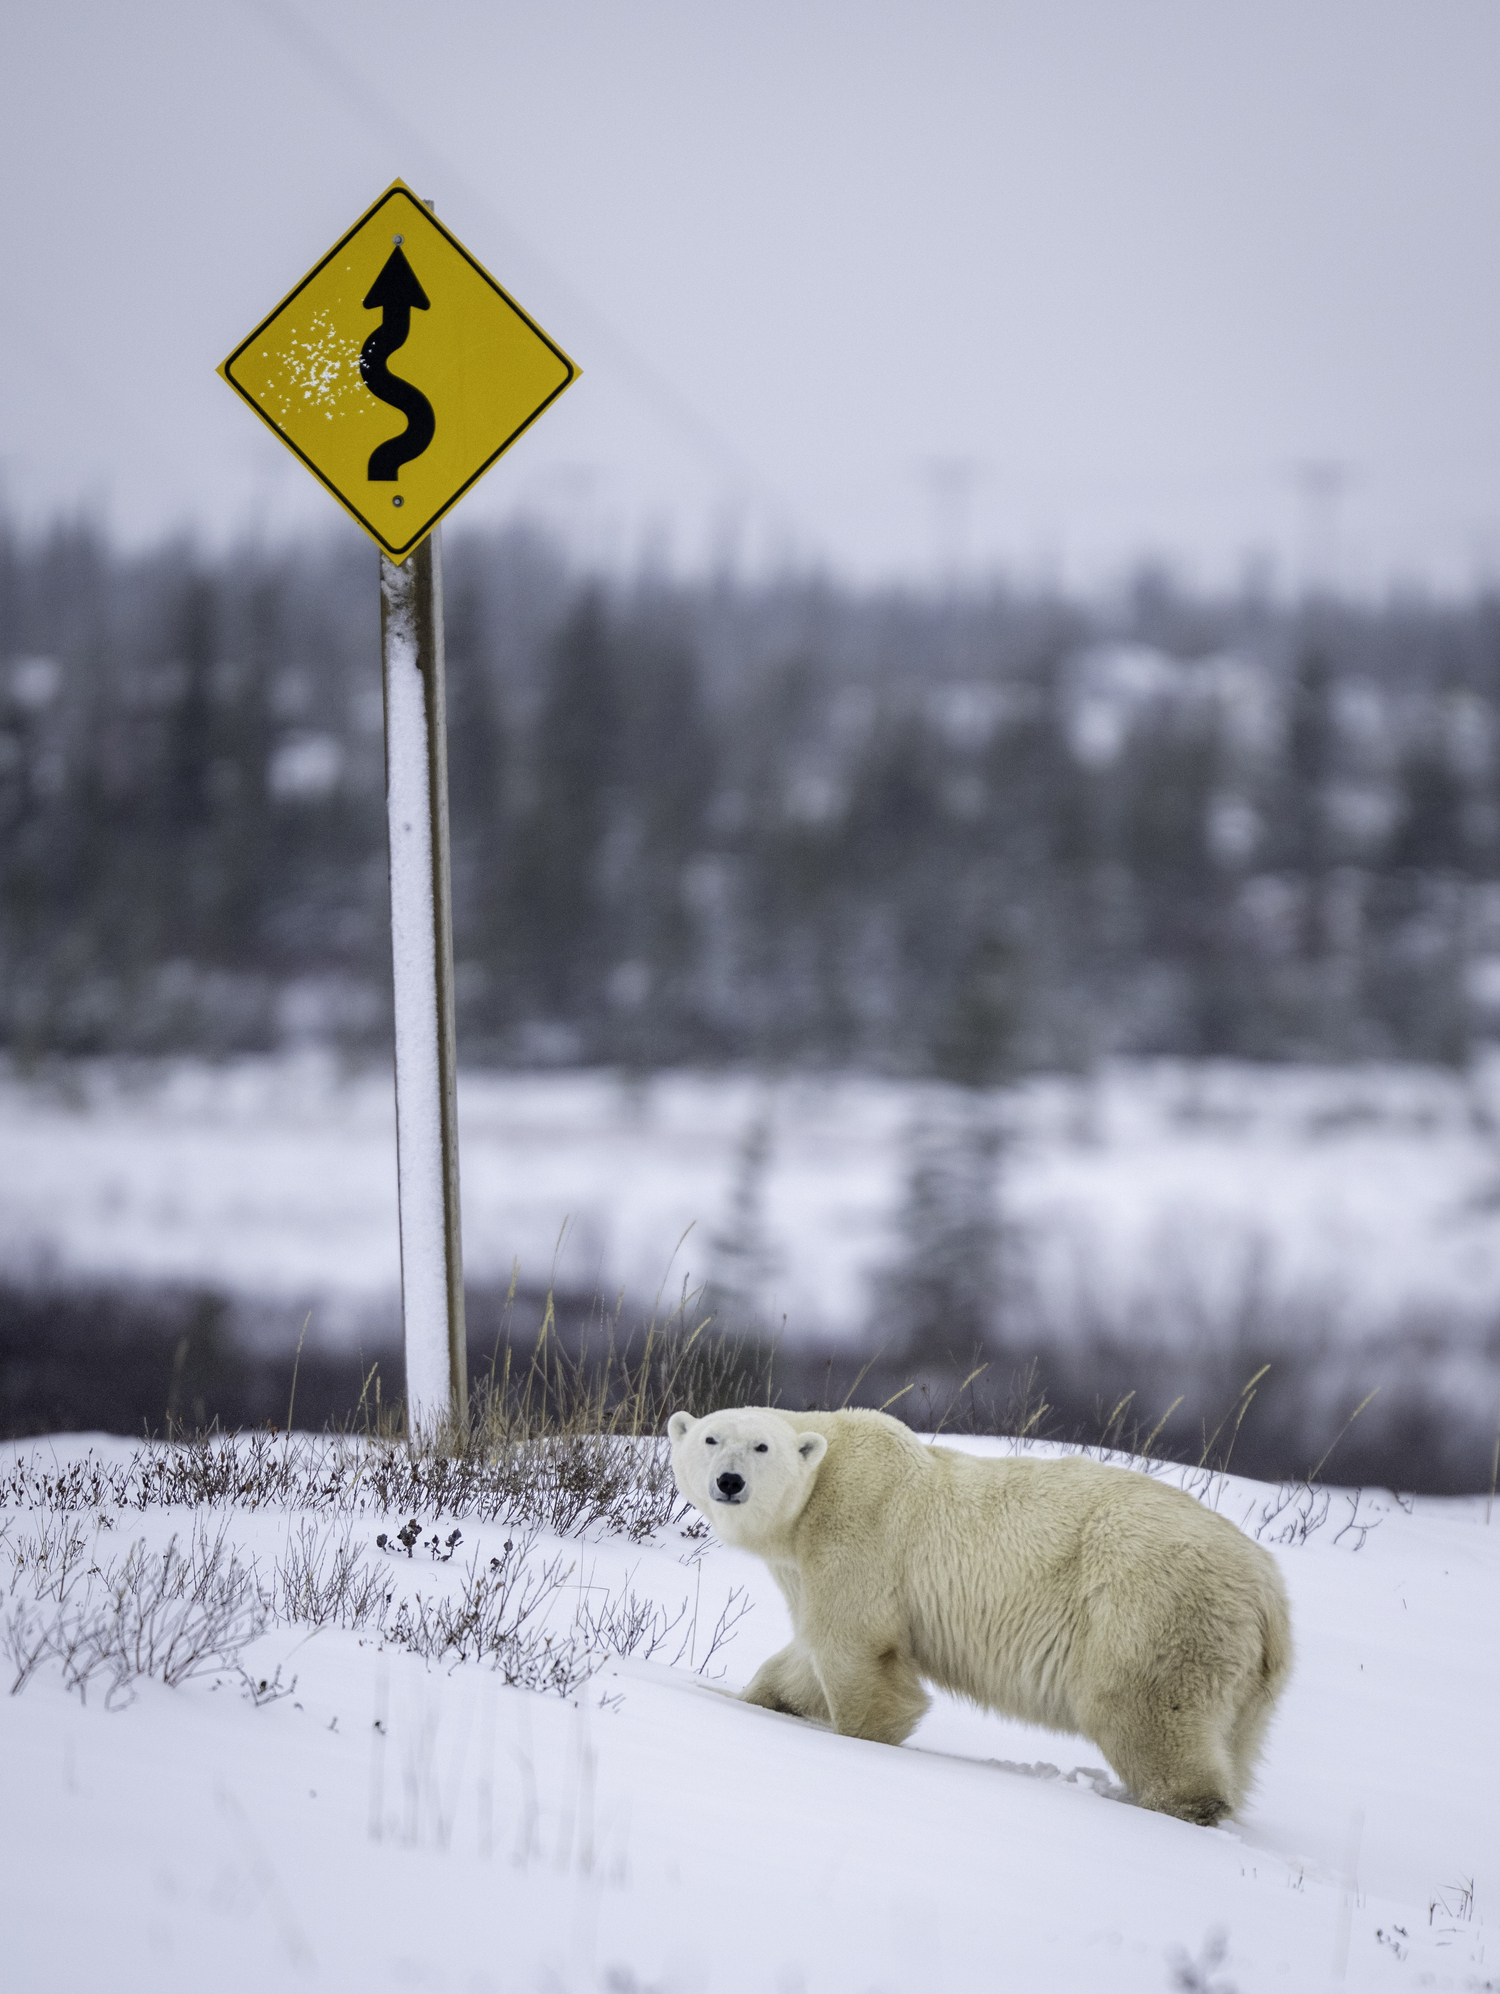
x,y
1178,1761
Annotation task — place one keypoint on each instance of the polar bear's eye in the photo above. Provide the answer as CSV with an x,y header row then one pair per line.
x,y
709,1441
761,1447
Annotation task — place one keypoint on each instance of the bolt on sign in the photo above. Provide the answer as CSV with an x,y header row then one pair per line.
x,y
398,370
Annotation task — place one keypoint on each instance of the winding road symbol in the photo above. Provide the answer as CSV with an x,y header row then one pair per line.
x,y
395,293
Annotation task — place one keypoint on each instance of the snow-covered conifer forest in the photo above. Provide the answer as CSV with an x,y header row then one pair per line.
x,y
973,835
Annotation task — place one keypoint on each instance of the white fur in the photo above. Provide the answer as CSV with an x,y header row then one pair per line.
x,y
1072,1595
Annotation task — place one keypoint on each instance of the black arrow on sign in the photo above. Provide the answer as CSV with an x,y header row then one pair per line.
x,y
394,293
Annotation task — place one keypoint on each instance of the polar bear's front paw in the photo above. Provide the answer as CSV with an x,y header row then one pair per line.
x,y
789,1683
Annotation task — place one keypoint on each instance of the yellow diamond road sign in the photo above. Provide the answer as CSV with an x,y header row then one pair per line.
x,y
398,370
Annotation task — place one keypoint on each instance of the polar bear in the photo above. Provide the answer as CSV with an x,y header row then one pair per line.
x,y
1072,1595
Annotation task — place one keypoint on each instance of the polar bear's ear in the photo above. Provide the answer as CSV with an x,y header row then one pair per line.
x,y
812,1447
678,1425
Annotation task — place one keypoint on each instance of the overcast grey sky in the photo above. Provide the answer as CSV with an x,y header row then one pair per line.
x,y
891,287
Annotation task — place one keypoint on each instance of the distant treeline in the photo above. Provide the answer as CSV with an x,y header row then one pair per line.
x,y
962,834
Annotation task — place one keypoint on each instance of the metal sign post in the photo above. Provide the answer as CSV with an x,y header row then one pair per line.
x,y
416,792
473,372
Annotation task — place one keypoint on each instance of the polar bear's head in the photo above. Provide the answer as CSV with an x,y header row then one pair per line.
x,y
750,1471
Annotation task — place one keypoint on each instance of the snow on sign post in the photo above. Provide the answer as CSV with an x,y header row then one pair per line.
x,y
397,449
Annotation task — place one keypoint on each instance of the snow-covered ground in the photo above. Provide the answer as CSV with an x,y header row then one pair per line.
x,y
1370,1192
395,1822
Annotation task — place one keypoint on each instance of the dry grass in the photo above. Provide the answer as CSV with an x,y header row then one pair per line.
x,y
172,1614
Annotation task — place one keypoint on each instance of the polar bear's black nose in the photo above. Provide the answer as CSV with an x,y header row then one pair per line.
x,y
729,1485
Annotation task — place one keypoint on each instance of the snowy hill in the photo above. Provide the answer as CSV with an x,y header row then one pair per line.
x,y
371,1804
